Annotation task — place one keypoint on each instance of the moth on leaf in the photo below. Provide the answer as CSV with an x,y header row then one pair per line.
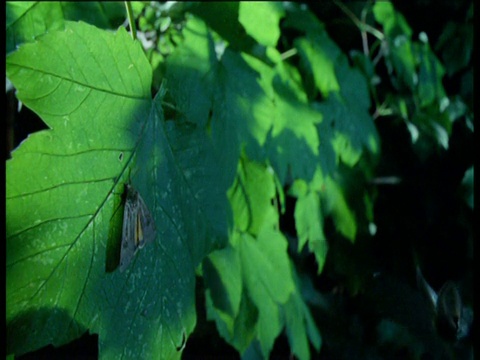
x,y
138,227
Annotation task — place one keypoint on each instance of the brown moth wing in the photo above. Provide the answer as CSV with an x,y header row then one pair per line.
x,y
138,227
147,223
130,213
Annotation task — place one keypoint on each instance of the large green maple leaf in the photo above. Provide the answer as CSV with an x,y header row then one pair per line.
x,y
64,201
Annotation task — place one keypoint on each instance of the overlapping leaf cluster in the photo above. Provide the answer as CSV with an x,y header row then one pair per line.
x,y
416,74
238,114
235,126
255,107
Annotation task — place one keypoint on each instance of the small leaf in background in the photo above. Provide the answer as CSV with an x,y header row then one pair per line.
x,y
251,197
286,120
26,20
267,276
187,73
259,270
392,21
223,18
336,204
221,94
241,115
456,44
102,14
243,323
293,142
346,102
300,325
222,272
302,19
430,76
29,19
227,300
309,226
318,56
400,56
261,20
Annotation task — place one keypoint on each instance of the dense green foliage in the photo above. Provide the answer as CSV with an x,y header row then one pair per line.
x,y
262,145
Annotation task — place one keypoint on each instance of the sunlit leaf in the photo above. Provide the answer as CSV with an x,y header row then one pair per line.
x,y
29,19
261,20
105,131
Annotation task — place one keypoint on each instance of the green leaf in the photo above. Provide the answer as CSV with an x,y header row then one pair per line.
x,y
430,88
94,94
251,197
336,204
309,226
293,143
434,126
187,70
300,326
261,20
346,128
267,276
318,56
393,22
354,91
29,19
402,60
227,300
223,277
242,101
220,91
259,270
243,324
198,194
456,44
63,240
400,57
223,18
241,112
265,263
323,196
26,20
300,18
102,14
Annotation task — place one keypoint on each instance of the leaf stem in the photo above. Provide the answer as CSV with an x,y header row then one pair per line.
x,y
289,53
379,55
131,20
362,26
167,104
364,33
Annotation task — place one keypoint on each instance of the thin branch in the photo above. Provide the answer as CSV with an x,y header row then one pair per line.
x,y
289,53
366,51
377,58
362,26
382,110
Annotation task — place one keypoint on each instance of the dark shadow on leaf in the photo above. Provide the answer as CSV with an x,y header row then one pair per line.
x,y
32,329
115,235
